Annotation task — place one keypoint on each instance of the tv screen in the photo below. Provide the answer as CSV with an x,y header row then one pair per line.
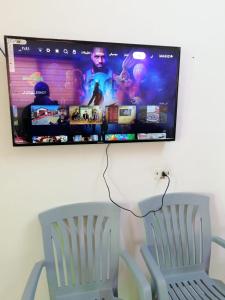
x,y
74,92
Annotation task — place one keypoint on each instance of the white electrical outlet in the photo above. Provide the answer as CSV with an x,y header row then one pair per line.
x,y
158,173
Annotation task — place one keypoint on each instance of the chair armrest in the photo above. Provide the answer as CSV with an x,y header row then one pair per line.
x,y
144,287
156,274
219,241
31,286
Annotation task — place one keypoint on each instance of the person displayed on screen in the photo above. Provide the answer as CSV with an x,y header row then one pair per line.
x,y
42,97
95,115
99,78
63,118
42,94
86,116
99,59
76,115
97,96
104,127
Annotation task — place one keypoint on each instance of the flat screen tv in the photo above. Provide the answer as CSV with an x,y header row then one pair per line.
x,y
76,92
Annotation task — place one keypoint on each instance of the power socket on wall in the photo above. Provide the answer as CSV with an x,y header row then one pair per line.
x,y
158,174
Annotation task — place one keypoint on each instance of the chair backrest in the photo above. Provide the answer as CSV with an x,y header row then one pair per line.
x,y
179,235
81,245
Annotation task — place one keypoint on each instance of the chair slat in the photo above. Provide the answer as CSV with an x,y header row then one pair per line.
x,y
75,251
183,233
219,290
208,290
176,232
98,248
105,249
66,249
190,234
158,239
192,291
172,295
178,292
198,239
186,292
82,249
169,230
165,238
90,247
54,277
57,238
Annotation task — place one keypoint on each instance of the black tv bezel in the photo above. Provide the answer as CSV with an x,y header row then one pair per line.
x,y
177,49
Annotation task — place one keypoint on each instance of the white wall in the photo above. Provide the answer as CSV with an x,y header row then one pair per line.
x,y
69,174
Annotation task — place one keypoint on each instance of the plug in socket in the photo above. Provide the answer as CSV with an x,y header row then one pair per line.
x,y
159,173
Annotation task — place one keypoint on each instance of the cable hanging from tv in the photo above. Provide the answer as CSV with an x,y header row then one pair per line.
x,y
124,208
2,51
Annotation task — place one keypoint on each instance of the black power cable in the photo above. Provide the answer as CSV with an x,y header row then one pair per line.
x,y
137,216
2,51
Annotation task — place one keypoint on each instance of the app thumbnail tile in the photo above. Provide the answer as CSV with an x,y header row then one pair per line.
x,y
44,114
120,137
151,136
80,115
112,114
49,139
81,138
127,114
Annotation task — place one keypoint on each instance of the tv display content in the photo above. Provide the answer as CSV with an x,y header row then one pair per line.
x,y
74,92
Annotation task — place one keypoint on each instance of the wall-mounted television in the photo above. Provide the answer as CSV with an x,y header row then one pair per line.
x,y
75,92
